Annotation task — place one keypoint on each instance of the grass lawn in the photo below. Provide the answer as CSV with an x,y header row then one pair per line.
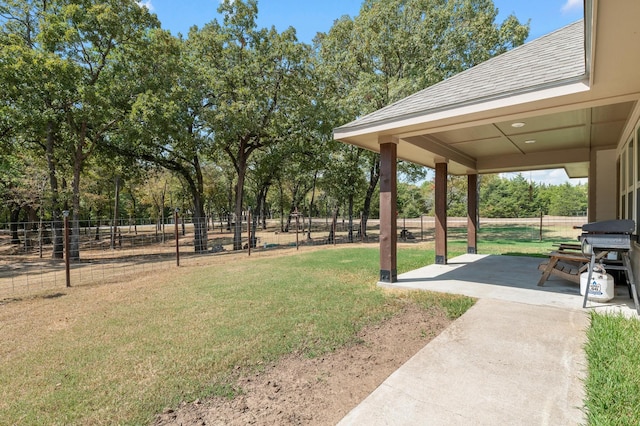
x,y
513,240
118,353
613,382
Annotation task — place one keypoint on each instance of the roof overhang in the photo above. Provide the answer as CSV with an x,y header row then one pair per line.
x,y
564,120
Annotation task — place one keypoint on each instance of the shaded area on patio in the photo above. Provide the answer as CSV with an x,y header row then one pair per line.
x,y
509,278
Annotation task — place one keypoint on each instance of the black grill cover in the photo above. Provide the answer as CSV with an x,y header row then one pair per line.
x,y
624,226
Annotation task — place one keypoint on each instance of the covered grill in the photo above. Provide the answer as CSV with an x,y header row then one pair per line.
x,y
600,238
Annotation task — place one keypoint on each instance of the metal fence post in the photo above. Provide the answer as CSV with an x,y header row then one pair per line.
x,y
248,231
175,220
297,222
541,214
66,248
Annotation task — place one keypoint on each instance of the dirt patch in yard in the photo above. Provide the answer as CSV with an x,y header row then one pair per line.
x,y
299,390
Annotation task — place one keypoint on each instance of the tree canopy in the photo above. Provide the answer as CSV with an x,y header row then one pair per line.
x,y
99,102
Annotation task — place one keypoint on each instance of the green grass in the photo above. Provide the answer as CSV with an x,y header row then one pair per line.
x,y
124,356
513,240
613,381
122,360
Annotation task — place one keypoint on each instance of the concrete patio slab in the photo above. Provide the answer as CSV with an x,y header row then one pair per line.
x,y
516,357
500,363
509,278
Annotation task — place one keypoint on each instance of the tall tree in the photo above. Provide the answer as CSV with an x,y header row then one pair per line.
x,y
37,85
396,47
73,60
567,199
256,76
165,125
502,197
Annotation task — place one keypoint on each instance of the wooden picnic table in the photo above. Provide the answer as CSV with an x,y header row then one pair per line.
x,y
567,262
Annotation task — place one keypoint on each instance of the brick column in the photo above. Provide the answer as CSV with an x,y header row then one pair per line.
x,y
472,214
388,211
441,213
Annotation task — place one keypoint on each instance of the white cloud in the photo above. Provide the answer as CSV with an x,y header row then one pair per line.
x,y
549,177
572,5
147,4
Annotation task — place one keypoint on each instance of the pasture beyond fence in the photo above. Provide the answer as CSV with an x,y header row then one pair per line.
x,y
134,247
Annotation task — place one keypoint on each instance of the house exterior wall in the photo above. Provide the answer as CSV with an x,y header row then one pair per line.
x,y
605,201
627,181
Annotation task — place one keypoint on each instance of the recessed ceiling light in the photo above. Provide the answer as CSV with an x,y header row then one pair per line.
x,y
517,124
530,141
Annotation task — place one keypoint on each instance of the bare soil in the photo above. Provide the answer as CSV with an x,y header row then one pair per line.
x,y
298,390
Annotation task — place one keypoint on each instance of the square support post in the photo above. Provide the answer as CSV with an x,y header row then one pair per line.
x,y
388,211
592,186
472,214
441,213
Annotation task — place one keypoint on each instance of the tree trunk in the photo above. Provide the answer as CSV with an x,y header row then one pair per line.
x,y
313,196
200,242
162,201
374,177
78,162
261,203
57,231
334,225
97,236
264,217
254,238
13,225
32,218
135,223
230,203
237,231
116,213
281,206
350,217
292,207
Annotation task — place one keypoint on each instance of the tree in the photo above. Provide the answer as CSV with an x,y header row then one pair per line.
x,y
22,186
394,48
502,197
165,125
567,199
38,84
344,180
411,200
72,67
256,76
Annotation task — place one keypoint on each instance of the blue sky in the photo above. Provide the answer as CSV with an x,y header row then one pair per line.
x,y
309,17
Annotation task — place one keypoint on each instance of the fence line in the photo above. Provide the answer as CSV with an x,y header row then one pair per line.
x,y
108,254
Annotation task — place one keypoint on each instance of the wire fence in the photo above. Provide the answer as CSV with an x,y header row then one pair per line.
x,y
32,261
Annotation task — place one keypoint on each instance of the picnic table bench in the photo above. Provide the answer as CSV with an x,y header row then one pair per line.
x,y
566,262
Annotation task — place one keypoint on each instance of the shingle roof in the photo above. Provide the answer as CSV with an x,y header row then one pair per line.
x,y
546,61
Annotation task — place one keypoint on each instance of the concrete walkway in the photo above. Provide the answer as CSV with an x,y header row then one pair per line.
x,y
516,357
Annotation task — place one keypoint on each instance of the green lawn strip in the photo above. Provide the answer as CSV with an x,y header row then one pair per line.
x,y
519,240
533,248
613,380
127,360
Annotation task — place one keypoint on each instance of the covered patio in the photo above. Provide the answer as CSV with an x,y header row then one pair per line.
x,y
506,278
566,100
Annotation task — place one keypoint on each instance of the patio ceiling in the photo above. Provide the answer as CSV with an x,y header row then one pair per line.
x,y
562,139
574,103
